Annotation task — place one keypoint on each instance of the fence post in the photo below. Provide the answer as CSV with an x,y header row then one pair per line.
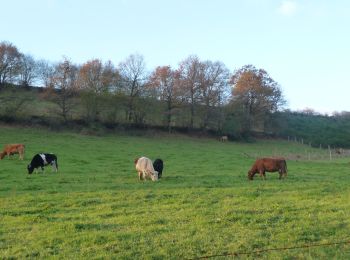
x,y
330,152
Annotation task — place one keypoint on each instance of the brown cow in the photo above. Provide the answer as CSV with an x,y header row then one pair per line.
x,y
268,165
11,149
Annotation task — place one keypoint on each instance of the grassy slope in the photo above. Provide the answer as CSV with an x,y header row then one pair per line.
x,y
96,207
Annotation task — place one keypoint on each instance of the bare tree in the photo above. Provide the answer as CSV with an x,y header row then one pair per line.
x,y
10,59
213,85
162,80
189,83
133,76
28,72
110,77
64,83
46,71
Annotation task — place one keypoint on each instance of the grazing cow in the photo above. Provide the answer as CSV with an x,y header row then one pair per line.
x,y
339,151
41,160
268,165
145,169
158,166
11,149
224,138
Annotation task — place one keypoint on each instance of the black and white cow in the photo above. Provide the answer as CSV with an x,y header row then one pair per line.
x,y
158,166
41,160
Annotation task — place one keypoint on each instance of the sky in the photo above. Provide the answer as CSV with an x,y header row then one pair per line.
x,y
304,45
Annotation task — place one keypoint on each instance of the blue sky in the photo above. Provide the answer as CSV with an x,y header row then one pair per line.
x,y
303,44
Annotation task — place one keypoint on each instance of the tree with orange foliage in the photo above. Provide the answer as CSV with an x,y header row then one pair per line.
x,y
95,79
162,80
255,95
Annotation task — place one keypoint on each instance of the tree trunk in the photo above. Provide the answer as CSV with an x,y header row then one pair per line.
x,y
169,116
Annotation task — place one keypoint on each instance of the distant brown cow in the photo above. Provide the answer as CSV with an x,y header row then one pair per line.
x,y
11,149
339,151
268,165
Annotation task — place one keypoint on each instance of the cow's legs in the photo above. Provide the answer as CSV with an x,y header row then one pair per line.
x,y
262,174
140,176
54,166
144,175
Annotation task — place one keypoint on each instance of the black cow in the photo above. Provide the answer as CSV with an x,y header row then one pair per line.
x,y
158,166
41,160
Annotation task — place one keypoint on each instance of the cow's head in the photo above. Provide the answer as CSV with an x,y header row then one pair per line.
x,y
136,160
30,168
154,176
250,175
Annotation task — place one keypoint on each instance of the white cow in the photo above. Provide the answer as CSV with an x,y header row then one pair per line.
x,y
144,167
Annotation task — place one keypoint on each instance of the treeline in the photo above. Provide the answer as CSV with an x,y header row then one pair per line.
x,y
197,95
314,129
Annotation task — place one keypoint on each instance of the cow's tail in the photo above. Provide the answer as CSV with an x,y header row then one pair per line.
x,y
285,167
2,155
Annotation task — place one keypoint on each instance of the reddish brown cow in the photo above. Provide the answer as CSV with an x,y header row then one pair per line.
x,y
11,149
268,165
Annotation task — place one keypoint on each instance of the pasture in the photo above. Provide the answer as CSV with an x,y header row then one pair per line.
x,y
95,206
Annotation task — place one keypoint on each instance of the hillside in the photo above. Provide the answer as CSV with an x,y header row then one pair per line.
x,y
35,106
95,207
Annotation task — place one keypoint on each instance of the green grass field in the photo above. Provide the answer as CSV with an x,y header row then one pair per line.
x,y
95,207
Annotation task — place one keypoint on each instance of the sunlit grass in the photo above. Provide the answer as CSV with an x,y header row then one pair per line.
x,y
95,207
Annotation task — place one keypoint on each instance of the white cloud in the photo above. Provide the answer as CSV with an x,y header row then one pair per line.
x,y
287,8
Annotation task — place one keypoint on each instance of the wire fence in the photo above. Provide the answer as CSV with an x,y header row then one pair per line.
x,y
266,250
309,153
317,151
